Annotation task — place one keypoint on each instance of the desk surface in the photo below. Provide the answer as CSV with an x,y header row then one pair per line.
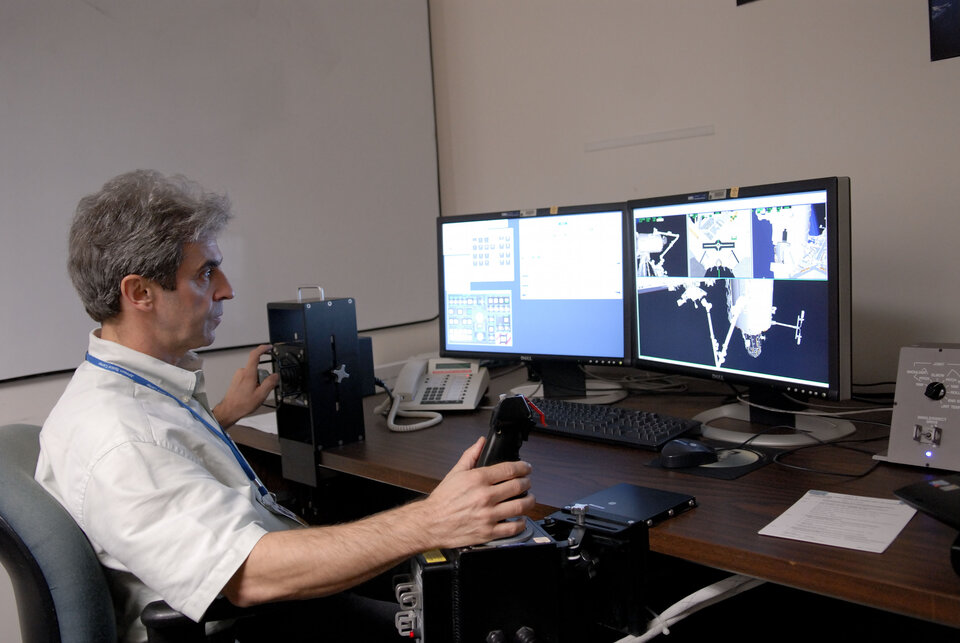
x,y
913,577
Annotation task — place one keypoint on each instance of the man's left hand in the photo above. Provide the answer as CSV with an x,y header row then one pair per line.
x,y
246,392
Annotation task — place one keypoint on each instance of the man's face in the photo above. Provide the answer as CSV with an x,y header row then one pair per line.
x,y
188,316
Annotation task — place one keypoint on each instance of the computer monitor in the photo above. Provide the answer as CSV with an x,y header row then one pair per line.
x,y
543,286
749,286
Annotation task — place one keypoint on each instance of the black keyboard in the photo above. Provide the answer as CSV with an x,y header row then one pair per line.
x,y
611,424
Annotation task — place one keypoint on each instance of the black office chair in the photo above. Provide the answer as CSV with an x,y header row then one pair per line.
x,y
61,589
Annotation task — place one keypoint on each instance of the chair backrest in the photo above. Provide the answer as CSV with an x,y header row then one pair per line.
x,y
60,587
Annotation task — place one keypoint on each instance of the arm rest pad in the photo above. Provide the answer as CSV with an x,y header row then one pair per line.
x,y
166,625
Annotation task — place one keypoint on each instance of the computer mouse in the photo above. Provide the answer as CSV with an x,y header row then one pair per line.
x,y
683,452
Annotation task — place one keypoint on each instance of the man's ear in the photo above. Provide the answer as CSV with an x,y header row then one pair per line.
x,y
137,292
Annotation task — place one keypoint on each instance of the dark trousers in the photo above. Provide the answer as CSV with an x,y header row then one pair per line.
x,y
342,618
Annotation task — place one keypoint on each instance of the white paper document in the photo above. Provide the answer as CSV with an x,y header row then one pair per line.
x,y
840,520
266,422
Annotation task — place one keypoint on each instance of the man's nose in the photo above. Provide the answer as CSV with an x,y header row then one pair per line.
x,y
224,288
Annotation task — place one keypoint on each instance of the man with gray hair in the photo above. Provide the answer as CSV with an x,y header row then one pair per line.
x,y
142,462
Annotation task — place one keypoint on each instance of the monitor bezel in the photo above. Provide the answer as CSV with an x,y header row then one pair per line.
x,y
584,360
839,251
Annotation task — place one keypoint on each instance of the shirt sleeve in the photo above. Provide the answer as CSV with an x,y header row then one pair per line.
x,y
169,522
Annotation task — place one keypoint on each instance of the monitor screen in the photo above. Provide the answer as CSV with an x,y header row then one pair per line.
x,y
545,285
747,285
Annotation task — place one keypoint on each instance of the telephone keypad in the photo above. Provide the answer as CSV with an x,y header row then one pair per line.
x,y
445,389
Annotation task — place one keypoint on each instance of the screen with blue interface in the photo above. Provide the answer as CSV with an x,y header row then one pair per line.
x,y
747,285
534,285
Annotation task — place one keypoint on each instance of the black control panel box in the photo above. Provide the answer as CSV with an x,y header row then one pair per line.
x,y
318,355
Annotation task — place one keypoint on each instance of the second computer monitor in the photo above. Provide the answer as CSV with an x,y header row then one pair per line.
x,y
750,286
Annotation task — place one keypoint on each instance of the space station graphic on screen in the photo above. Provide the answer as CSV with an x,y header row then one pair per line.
x,y
733,288
748,285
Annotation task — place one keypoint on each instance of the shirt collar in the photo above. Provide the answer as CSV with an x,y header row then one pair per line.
x,y
175,379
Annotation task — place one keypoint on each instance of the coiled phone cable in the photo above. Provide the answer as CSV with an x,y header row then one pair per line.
x,y
390,408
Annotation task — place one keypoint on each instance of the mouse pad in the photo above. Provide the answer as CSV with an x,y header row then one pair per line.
x,y
731,463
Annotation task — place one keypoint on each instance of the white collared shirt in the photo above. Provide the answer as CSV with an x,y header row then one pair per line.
x,y
164,502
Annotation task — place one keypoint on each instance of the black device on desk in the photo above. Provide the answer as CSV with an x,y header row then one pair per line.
x,y
575,576
317,353
938,497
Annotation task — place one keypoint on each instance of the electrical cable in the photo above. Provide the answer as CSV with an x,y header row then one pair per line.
x,y
719,591
649,383
837,413
848,445
415,322
827,411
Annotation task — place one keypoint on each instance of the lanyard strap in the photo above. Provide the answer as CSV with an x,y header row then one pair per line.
x,y
216,430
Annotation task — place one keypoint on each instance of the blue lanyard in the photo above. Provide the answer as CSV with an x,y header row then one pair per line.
x,y
216,430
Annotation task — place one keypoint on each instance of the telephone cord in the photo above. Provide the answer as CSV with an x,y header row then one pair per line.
x,y
394,411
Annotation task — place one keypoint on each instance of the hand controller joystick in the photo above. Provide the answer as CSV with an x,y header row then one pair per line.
x,y
510,426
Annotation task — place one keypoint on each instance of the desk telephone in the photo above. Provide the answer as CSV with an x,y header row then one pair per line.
x,y
426,386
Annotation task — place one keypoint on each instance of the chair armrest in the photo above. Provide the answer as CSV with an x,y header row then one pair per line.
x,y
166,625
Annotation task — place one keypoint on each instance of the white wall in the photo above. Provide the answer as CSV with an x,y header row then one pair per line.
x,y
315,118
790,89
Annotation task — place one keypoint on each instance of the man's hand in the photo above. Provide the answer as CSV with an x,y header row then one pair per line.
x,y
246,393
470,505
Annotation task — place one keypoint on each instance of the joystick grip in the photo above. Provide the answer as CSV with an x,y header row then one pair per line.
x,y
510,427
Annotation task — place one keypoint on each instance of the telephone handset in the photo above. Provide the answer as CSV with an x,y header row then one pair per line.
x,y
426,386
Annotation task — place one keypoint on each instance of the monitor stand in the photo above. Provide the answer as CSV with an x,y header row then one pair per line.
x,y
567,381
808,429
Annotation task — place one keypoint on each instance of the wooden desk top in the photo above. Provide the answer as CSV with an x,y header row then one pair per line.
x,y
913,577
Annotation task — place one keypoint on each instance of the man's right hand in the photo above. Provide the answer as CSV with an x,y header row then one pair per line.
x,y
470,505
